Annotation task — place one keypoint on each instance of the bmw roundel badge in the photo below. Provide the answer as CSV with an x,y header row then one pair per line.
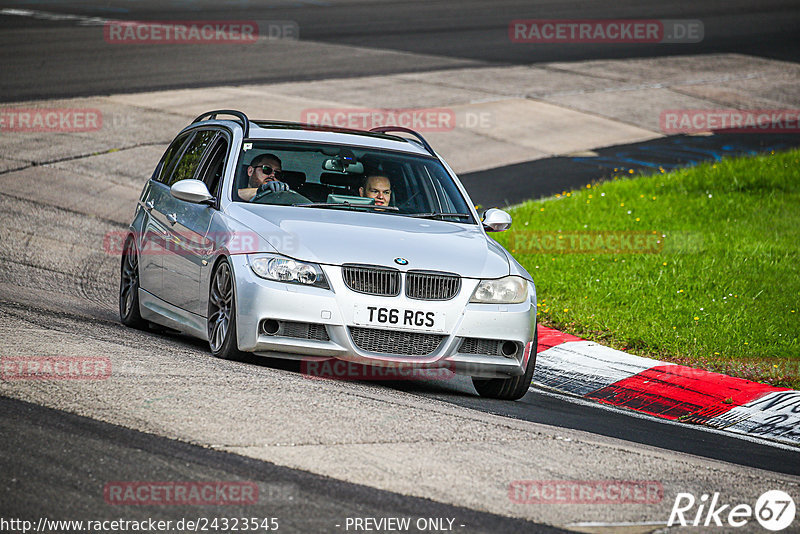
x,y
401,261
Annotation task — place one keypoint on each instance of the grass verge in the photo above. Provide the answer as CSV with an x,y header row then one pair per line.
x,y
700,266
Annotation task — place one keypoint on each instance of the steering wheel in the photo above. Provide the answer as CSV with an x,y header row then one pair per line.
x,y
261,194
280,198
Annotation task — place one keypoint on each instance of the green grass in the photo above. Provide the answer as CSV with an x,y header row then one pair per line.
x,y
724,292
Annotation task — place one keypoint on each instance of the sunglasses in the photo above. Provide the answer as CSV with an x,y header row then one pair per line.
x,y
266,169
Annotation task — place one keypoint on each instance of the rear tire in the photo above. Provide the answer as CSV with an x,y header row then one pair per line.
x,y
129,313
221,322
513,388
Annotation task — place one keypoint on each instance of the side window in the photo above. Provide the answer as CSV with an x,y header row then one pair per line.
x,y
191,157
169,158
211,174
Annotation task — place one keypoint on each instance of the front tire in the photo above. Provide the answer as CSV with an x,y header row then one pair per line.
x,y
509,388
129,313
221,322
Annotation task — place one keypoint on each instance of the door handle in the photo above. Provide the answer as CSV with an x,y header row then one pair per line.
x,y
172,218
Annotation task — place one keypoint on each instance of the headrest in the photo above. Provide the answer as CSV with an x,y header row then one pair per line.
x,y
294,178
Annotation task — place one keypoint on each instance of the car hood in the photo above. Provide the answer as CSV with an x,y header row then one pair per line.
x,y
334,237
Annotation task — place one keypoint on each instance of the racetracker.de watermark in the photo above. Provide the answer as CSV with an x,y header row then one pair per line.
x,y
586,242
55,120
175,32
586,491
186,243
674,121
419,119
565,31
55,367
144,493
344,370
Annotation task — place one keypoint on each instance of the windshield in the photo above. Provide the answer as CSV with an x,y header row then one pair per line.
x,y
323,176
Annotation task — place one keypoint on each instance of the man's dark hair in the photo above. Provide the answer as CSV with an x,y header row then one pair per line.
x,y
259,160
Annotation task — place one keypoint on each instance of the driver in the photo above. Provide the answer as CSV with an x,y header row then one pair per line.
x,y
264,174
377,187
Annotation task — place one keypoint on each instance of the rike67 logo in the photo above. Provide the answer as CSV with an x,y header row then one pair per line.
x,y
774,510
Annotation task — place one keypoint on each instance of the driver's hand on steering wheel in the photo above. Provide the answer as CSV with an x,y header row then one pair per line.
x,y
272,186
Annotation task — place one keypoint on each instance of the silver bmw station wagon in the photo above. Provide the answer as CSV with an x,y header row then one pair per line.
x,y
295,241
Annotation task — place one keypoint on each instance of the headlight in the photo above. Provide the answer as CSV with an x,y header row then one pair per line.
x,y
288,270
508,290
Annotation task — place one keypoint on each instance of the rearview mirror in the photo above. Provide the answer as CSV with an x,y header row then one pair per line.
x,y
193,191
343,164
495,220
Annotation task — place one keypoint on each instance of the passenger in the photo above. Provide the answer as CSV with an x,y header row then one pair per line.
x,y
377,187
264,174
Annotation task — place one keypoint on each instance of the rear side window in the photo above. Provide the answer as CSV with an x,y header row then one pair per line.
x,y
190,159
170,157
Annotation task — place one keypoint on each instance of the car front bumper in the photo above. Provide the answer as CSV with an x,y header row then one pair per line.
x,y
332,311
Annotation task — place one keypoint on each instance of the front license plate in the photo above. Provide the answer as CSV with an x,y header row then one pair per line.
x,y
399,318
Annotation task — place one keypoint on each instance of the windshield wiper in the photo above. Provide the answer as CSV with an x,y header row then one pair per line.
x,y
436,215
346,205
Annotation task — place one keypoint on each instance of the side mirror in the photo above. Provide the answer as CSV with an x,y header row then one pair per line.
x,y
193,191
495,220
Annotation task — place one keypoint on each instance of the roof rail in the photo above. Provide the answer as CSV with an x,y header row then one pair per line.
x,y
211,115
386,129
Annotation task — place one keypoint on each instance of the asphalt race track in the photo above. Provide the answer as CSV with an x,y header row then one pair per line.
x,y
546,177
304,502
320,451
56,58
